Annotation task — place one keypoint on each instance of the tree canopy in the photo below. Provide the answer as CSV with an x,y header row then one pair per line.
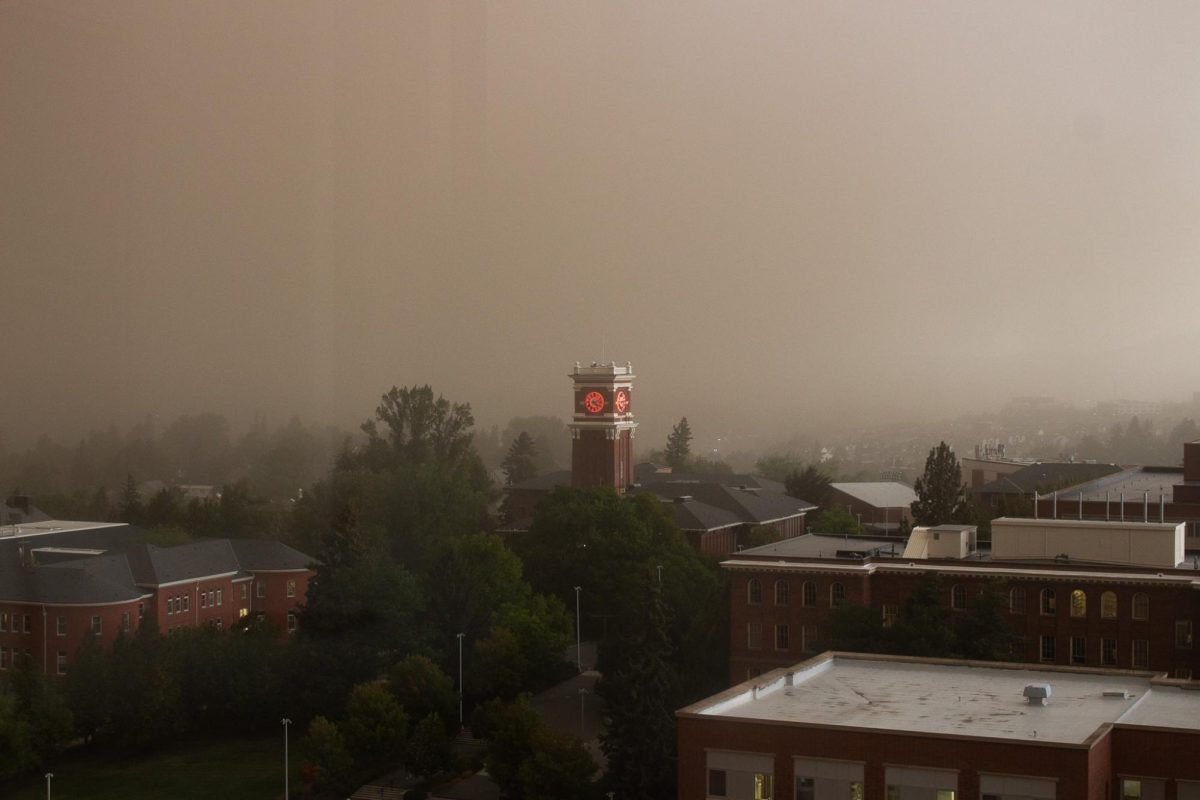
x,y
940,490
679,448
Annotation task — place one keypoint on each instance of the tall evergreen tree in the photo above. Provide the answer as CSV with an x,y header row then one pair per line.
x,y
521,462
940,490
679,448
809,484
130,508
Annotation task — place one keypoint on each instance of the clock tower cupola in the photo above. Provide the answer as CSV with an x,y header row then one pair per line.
x,y
602,426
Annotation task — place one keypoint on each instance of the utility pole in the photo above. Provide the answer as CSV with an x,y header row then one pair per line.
x,y
578,636
460,682
285,722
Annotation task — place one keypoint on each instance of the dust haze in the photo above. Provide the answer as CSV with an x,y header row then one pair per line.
x,y
786,215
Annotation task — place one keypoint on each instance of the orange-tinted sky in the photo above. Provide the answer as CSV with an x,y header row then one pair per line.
x,y
782,213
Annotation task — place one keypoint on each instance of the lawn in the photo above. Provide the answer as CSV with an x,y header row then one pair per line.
x,y
229,769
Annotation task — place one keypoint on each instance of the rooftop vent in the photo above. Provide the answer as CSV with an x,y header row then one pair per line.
x,y
1037,693
1119,694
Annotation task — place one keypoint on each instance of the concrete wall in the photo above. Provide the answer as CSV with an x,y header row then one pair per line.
x,y
1144,544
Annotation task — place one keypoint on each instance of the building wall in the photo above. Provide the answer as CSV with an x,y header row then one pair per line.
x,y
597,460
870,513
43,640
271,596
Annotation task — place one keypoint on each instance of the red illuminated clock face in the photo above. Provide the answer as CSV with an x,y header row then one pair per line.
x,y
593,402
621,401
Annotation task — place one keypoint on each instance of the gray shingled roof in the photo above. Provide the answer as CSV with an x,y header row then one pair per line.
x,y
154,566
1045,477
100,579
880,494
260,555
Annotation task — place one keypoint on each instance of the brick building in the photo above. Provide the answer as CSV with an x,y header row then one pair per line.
x,y
856,727
61,580
1095,594
881,507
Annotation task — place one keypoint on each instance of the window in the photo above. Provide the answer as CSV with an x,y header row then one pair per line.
x,y
1183,633
809,594
3,658
781,637
890,612
1108,605
27,623
260,589
1078,603
221,624
291,589
245,591
170,605
1078,650
716,783
1108,652
1047,648
220,592
1131,790
96,625
178,605
1141,606
62,625
243,612
187,602
958,597
125,621
212,598
141,610
806,789
754,592
764,788
837,595
1141,654
3,621
753,635
1049,602
62,663
1016,600
781,593
1183,674
291,623
204,599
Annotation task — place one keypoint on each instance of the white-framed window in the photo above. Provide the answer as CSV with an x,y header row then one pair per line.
x,y
781,592
781,637
260,589
245,591
97,625
204,599
1141,606
291,587
125,621
808,595
212,598
220,600
187,602
1108,652
291,622
890,612
61,627
958,597
1078,603
1049,602
1141,654
1016,600
1047,648
754,635
837,595
753,591
62,662
1183,634
1108,605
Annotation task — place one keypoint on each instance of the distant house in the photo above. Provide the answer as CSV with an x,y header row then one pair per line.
x,y
880,506
60,581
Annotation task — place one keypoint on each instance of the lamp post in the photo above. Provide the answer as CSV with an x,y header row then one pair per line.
x,y
578,638
285,722
582,699
460,682
659,568
49,775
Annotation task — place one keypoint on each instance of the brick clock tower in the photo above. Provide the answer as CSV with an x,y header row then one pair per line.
x,y
602,428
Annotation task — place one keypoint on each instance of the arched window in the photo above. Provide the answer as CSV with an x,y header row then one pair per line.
x,y
1049,604
781,593
1016,600
1141,606
1078,603
837,595
958,596
754,592
809,592
1108,605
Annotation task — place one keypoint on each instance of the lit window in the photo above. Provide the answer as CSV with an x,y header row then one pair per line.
x,y
1108,652
1078,650
291,588
958,597
753,592
1141,606
243,612
837,595
764,788
781,593
716,783
1049,602
1047,649
1078,603
62,625
1141,653
890,612
62,663
809,592
1183,634
1108,605
1016,601
96,625
781,637
754,635
260,589
291,623
1131,790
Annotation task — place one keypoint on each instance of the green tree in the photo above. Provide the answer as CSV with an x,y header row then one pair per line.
x,y
16,748
778,466
375,726
809,484
835,520
423,689
550,437
429,749
679,448
940,490
521,462
469,579
332,765
511,731
88,689
130,508
761,535
558,769
923,628
859,629
40,701
982,632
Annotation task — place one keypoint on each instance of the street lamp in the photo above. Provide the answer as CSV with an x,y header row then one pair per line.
x,y
578,640
659,568
582,699
49,775
285,722
460,682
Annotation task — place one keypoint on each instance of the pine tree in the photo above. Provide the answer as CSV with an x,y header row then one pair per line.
x,y
521,462
130,509
940,491
679,449
809,484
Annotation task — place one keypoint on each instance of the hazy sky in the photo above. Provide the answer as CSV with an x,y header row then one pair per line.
x,y
779,212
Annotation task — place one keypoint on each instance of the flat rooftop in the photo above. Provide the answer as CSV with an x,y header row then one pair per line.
x,y
28,529
828,545
1135,483
955,698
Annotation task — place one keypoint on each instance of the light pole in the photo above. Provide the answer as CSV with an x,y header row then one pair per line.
x,y
285,722
578,639
659,568
460,683
49,775
582,699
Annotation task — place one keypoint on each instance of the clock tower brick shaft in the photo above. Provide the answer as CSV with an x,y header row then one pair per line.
x,y
602,428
